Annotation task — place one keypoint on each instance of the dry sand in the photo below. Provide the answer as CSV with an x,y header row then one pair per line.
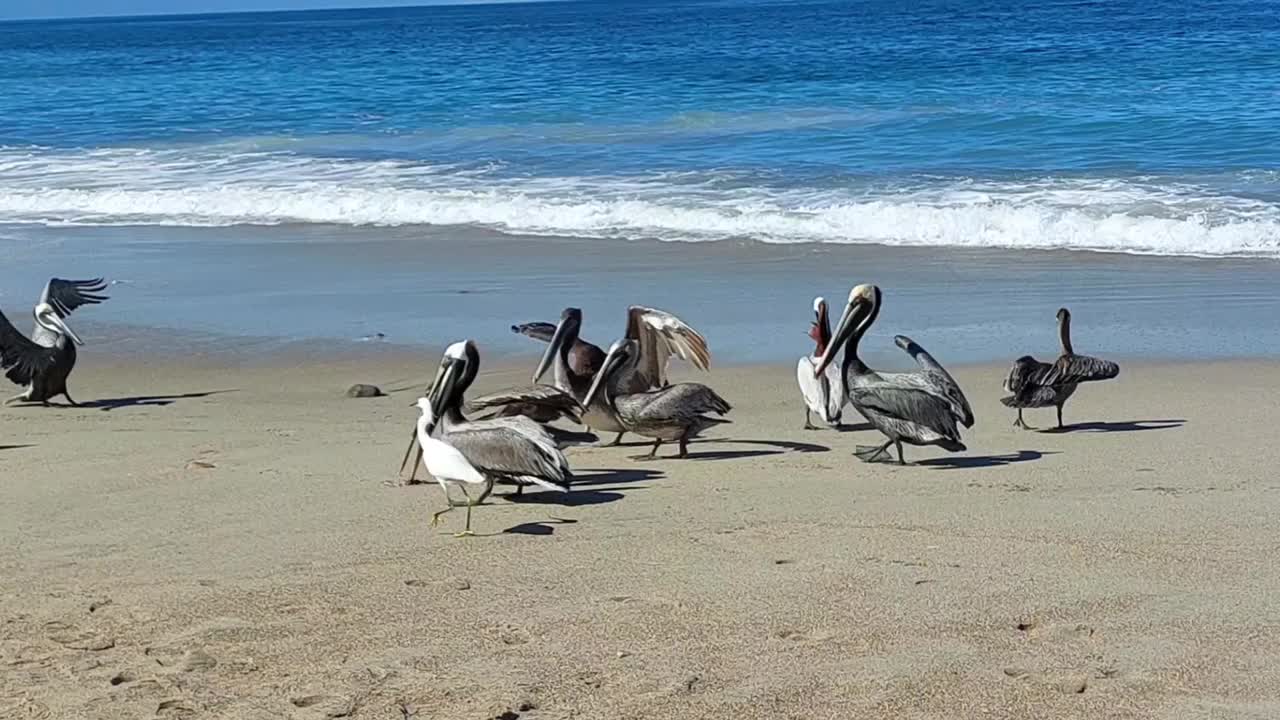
x,y
239,555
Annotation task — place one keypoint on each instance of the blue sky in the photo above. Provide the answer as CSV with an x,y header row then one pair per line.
x,y
22,9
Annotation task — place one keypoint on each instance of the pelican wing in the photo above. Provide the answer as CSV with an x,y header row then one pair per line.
x,y
912,404
1028,374
543,399
536,330
661,335
946,385
1081,368
21,358
504,448
67,295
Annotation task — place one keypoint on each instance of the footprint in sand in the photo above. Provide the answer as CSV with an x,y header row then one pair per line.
x,y
1068,682
73,638
326,706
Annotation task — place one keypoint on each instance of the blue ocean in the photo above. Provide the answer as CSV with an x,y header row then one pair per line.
x,y
255,156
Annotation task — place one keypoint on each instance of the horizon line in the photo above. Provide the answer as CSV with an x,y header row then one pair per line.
x,y
263,11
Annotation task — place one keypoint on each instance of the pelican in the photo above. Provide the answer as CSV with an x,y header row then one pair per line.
x,y
671,413
823,394
43,362
584,358
541,403
508,449
906,407
658,335
1035,384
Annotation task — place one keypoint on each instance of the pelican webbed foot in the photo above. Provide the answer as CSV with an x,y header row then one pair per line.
x,y
808,423
16,398
874,453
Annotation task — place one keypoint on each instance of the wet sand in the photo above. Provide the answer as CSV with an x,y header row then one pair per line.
x,y
218,540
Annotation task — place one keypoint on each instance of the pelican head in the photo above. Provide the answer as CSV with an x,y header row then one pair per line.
x,y
566,332
859,313
620,352
819,303
49,319
457,366
1063,314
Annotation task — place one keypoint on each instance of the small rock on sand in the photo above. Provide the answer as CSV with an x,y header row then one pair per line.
x,y
200,465
461,585
360,390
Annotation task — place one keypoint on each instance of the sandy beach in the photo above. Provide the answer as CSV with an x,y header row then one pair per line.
x,y
225,540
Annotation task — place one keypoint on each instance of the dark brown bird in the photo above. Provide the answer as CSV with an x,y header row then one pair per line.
x,y
1036,384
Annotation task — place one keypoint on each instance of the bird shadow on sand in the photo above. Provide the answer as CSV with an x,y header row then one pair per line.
x,y
963,462
612,476
544,527
720,455
801,447
1126,426
15,447
574,498
109,404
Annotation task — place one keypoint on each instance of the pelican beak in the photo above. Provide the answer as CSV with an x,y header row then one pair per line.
x,y
558,339
853,314
616,355
53,317
442,390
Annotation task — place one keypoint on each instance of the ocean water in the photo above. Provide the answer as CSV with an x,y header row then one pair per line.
x,y
243,159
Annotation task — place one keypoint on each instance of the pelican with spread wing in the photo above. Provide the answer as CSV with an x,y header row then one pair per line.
x,y
1036,384
918,408
657,336
43,362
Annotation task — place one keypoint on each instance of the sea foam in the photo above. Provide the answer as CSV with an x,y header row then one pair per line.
x,y
221,185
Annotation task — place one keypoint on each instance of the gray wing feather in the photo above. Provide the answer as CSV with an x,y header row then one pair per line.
x,y
662,335
909,404
1081,368
946,385
541,400
497,449
680,401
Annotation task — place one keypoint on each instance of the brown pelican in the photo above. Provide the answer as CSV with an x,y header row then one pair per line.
x,y
584,358
43,362
906,407
510,449
671,413
658,335
1035,384
824,393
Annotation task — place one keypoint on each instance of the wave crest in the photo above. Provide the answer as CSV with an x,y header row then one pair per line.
x,y
218,187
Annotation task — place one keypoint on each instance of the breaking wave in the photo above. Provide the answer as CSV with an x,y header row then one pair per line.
x,y
231,185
